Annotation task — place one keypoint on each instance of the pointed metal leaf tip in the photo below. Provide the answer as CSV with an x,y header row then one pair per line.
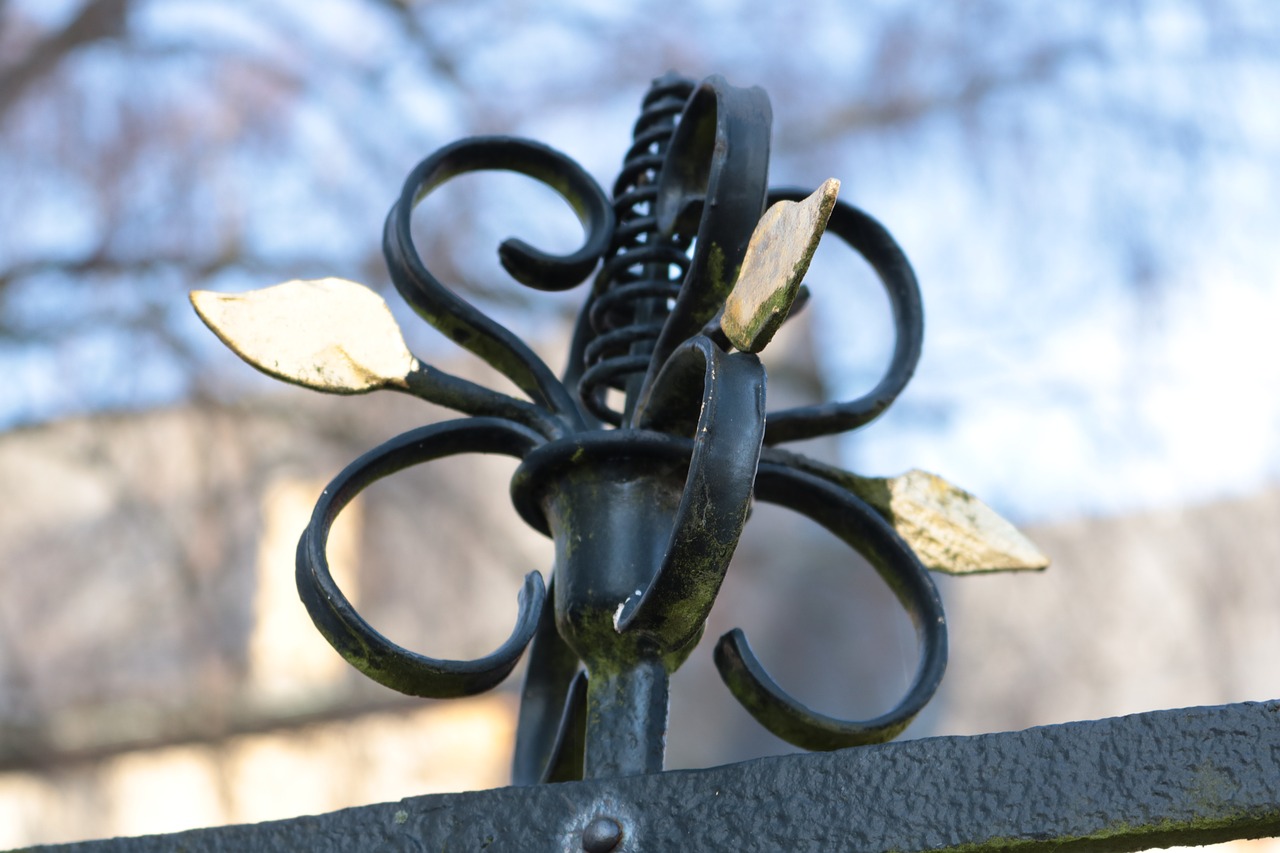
x,y
328,334
952,531
775,263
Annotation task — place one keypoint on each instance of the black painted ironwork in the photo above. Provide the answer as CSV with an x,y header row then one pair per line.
x,y
1163,778
645,497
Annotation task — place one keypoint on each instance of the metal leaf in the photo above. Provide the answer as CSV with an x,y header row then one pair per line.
x,y
775,263
950,530
329,334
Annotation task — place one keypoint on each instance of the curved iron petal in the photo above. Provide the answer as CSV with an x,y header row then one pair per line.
x,y
870,239
715,175
849,518
727,424
364,647
454,316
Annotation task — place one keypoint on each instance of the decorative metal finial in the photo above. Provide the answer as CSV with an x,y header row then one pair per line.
x,y
645,490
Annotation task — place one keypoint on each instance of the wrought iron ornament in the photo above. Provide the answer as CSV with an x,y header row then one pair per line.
x,y
642,461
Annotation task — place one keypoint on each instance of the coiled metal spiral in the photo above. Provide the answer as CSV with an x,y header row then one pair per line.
x,y
642,269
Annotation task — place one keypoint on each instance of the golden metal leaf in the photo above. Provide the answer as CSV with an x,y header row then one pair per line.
x,y
950,530
329,334
776,260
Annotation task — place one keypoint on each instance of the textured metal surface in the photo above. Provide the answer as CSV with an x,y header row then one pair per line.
x,y
1190,776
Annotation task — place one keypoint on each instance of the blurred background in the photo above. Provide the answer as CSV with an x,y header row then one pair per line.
x,y
1086,191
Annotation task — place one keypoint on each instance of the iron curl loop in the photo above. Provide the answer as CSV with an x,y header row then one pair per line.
x,y
876,245
454,316
727,423
714,179
860,527
333,614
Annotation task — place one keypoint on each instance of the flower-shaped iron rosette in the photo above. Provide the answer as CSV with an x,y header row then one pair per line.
x,y
645,491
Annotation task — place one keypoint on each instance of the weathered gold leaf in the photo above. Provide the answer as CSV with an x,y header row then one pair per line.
x,y
329,334
949,529
776,260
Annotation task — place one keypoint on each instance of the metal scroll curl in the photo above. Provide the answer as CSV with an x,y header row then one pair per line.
x,y
459,319
876,245
355,639
860,527
715,174
727,426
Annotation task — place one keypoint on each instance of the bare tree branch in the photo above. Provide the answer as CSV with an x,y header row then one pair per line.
x,y
902,109
98,20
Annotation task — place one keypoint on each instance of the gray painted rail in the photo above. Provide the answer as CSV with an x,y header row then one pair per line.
x,y
1189,776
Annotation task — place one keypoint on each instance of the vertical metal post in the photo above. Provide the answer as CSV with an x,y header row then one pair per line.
x,y
627,720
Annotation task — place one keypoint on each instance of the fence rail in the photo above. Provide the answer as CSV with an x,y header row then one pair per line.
x,y
1180,777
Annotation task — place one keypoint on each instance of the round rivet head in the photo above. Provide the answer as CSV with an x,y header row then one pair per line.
x,y
601,835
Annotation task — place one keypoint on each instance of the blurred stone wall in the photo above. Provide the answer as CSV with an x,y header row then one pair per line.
x,y
1159,609
157,670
